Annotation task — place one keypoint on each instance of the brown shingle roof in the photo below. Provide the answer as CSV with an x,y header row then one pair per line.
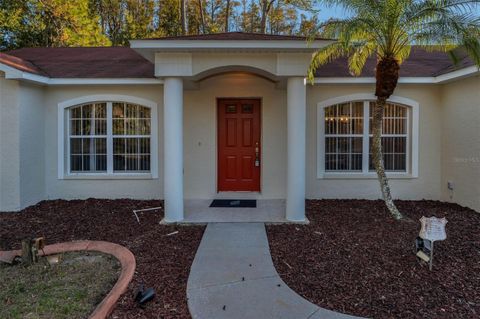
x,y
123,62
19,64
463,63
421,63
236,36
95,62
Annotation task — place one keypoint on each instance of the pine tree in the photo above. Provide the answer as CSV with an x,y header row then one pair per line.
x,y
48,23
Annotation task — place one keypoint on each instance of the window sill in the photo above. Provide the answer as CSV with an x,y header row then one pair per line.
x,y
131,176
365,176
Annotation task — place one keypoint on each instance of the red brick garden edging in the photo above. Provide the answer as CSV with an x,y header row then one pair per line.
x,y
125,256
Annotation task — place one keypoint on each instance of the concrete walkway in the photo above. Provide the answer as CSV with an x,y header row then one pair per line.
x,y
233,276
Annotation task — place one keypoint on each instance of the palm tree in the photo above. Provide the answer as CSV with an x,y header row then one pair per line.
x,y
388,29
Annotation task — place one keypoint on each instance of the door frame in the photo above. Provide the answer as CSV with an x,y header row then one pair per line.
x,y
217,148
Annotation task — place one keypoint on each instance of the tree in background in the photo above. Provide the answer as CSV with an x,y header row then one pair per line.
x,y
112,17
227,15
266,7
122,20
48,23
282,19
169,21
201,15
308,26
250,16
115,22
183,16
388,29
140,20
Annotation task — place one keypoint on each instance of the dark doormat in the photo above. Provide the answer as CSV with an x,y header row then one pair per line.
x,y
234,203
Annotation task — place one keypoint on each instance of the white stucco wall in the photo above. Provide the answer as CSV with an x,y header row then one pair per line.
x,y
105,187
461,142
32,141
22,181
28,142
9,145
427,185
200,140
200,134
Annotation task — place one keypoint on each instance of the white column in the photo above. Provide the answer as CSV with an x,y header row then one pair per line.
x,y
173,149
296,126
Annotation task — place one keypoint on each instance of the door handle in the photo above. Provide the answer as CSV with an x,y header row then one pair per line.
x,y
257,155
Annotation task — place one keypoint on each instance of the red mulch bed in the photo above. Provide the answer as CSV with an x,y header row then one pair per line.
x,y
355,259
163,262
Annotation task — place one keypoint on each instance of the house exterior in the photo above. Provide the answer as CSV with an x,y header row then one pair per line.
x,y
197,116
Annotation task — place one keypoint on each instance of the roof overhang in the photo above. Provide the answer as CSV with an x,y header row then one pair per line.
x,y
195,45
148,48
15,74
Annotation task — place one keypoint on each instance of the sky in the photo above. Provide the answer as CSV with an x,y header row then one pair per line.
x,y
327,12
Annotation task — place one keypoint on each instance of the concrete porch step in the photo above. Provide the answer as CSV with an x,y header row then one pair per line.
x,y
267,211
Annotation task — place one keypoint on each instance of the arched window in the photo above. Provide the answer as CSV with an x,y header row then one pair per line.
x,y
109,137
345,137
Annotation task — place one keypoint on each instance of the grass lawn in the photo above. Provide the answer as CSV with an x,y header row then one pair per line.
x,y
163,253
354,258
70,289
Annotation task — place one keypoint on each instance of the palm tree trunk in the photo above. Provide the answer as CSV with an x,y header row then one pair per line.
x,y
387,74
378,111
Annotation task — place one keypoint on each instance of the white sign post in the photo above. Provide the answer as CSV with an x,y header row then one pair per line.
x,y
433,229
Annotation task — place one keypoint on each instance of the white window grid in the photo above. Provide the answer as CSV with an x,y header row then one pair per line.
x,y
109,122
136,137
93,136
337,136
390,124
366,138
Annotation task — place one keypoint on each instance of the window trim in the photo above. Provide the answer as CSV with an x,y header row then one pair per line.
x,y
412,142
63,140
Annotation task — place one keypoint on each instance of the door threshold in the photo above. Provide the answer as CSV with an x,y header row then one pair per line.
x,y
238,195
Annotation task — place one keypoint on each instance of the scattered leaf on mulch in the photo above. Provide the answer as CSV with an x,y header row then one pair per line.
x,y
354,258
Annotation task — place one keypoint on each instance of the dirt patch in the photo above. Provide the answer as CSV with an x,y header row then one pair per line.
x,y
72,288
163,262
355,259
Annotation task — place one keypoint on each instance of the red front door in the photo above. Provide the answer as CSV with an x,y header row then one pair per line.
x,y
239,145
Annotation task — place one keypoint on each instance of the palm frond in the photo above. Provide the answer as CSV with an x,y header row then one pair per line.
x,y
325,55
361,53
389,29
471,44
